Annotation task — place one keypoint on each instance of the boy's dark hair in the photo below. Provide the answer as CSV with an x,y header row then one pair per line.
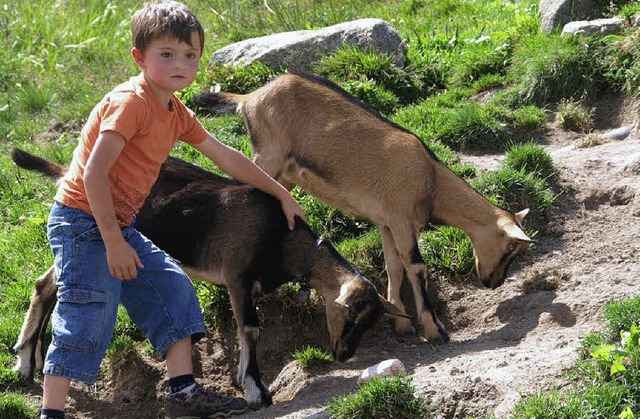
x,y
164,18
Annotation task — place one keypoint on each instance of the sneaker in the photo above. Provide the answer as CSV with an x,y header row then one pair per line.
x,y
203,404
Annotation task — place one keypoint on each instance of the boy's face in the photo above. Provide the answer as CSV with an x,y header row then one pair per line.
x,y
170,64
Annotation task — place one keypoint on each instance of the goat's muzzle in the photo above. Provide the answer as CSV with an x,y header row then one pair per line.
x,y
497,277
342,351
492,282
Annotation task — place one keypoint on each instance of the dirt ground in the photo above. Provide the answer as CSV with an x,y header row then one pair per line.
x,y
513,341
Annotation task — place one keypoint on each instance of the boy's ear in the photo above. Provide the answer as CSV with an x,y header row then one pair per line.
x,y
138,57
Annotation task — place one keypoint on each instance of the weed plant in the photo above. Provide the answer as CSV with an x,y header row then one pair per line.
x,y
334,224
619,60
216,305
529,118
448,250
352,64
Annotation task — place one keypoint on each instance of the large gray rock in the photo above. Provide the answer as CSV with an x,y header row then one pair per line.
x,y
298,50
613,25
557,13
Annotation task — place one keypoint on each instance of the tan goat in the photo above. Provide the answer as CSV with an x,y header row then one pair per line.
x,y
307,131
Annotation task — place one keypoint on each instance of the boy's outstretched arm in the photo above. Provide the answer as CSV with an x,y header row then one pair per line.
x,y
237,165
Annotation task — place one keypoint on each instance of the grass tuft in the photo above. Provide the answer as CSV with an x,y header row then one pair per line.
x,y
381,397
531,158
607,376
515,190
574,116
14,406
552,67
312,357
592,140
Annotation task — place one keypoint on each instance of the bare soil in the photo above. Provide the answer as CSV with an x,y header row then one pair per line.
x,y
506,343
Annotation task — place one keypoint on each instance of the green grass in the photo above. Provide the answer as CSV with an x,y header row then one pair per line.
x,y
365,252
312,357
59,58
574,116
531,158
381,397
14,406
607,376
545,67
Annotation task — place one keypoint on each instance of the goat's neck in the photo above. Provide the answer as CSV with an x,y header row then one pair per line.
x,y
457,204
328,270
329,274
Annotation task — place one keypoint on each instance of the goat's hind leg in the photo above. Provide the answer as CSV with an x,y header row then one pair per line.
x,y
29,347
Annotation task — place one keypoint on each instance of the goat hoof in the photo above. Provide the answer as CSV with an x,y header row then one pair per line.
x,y
444,337
441,338
259,404
406,332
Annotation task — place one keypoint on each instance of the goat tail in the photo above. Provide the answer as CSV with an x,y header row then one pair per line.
x,y
218,102
31,162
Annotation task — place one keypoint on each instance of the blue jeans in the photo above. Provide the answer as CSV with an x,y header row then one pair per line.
x,y
161,300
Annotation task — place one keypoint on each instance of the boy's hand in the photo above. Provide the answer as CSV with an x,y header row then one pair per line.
x,y
123,261
291,210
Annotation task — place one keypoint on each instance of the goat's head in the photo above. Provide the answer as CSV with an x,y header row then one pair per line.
x,y
497,246
358,308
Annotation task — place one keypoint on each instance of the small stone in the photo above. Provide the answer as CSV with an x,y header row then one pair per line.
x,y
390,367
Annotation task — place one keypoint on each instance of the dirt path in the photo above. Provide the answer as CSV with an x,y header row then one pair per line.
x,y
518,339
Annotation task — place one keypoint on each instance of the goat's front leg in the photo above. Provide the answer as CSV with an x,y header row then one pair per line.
x,y
29,348
395,275
407,247
244,309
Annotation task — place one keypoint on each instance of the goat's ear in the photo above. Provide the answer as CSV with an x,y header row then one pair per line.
x,y
515,232
342,298
520,215
392,310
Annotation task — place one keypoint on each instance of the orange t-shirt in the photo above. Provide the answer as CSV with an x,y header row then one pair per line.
x,y
151,131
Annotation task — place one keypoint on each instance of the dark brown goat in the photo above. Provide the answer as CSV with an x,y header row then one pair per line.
x,y
230,234
307,131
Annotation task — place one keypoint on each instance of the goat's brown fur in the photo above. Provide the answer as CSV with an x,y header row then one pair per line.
x,y
307,131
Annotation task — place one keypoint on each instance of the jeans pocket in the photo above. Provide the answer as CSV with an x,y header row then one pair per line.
x,y
79,319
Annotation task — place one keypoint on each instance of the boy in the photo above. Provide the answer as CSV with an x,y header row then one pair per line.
x,y
100,259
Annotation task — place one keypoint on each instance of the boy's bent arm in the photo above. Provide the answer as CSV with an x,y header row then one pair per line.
x,y
237,165
121,257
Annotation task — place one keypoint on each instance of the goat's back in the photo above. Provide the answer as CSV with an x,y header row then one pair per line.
x,y
307,131
209,222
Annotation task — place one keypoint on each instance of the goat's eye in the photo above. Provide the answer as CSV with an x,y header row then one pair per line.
x,y
353,312
512,247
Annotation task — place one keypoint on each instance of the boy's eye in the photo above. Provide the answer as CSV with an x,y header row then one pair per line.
x,y
166,55
192,56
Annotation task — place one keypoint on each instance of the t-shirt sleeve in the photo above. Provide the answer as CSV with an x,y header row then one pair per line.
x,y
194,132
124,114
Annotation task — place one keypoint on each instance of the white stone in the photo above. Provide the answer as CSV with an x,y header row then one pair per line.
x,y
390,367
